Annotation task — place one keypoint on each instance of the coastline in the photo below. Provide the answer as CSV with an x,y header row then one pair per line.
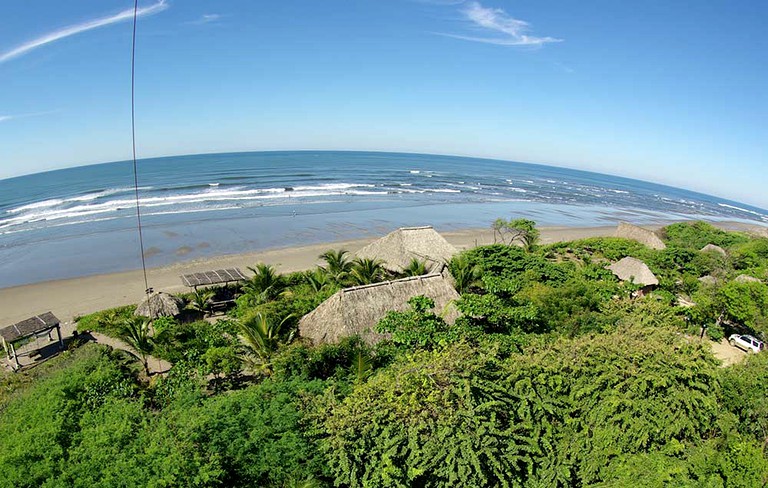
x,y
71,297
68,298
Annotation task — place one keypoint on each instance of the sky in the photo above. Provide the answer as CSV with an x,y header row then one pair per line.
x,y
670,92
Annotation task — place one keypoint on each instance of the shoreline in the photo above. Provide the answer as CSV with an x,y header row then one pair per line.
x,y
68,298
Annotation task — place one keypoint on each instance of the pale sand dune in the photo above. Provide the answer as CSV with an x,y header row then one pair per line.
x,y
79,296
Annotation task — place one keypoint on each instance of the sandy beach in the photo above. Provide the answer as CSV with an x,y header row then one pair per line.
x,y
78,296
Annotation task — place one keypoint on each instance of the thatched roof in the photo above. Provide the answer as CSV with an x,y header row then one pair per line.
x,y
708,280
29,327
643,236
713,248
357,310
758,231
747,279
159,304
397,249
634,271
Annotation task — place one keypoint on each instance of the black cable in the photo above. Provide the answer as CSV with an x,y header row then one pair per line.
x,y
133,140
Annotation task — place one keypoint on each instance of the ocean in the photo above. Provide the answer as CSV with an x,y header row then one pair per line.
x,y
82,221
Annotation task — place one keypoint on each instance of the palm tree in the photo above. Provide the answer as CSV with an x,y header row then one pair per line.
x,y
415,268
261,338
317,279
366,271
135,332
338,266
201,300
465,275
362,366
266,283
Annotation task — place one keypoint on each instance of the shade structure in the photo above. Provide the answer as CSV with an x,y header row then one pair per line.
x,y
33,326
638,234
215,277
29,327
397,249
635,271
357,310
159,304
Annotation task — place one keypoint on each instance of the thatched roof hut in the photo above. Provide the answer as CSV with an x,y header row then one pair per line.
x,y
708,280
714,249
159,304
634,271
747,279
357,310
643,236
397,249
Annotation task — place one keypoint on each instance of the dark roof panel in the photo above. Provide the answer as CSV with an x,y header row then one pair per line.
x,y
29,327
213,277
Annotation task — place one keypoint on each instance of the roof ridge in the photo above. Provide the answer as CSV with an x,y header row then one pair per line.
x,y
391,282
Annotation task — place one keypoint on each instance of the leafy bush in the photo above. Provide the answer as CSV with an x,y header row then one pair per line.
x,y
107,322
556,415
695,235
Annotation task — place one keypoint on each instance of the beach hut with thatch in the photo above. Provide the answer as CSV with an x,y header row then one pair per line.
x,y
638,234
159,304
747,279
708,280
713,249
357,310
635,271
397,249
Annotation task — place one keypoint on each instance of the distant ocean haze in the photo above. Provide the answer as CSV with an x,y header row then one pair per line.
x,y
82,221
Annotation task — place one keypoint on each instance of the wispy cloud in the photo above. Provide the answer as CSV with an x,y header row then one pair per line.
x,y
500,27
6,118
78,28
206,19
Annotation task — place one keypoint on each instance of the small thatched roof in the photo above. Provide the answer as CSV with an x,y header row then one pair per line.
x,y
357,310
634,271
708,280
159,304
758,231
713,248
397,249
747,279
643,236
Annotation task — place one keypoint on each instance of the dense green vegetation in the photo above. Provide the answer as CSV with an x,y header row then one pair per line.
x,y
553,376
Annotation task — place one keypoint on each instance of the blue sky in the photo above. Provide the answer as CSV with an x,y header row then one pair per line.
x,y
672,92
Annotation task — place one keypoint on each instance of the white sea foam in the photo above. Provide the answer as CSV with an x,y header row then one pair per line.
x,y
742,209
414,171
53,210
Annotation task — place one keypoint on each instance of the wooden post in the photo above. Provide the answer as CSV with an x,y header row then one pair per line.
x,y
15,356
58,333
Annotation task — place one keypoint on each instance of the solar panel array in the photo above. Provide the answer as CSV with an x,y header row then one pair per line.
x,y
29,327
213,277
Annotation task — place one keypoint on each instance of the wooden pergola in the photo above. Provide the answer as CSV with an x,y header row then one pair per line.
x,y
216,277
35,326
